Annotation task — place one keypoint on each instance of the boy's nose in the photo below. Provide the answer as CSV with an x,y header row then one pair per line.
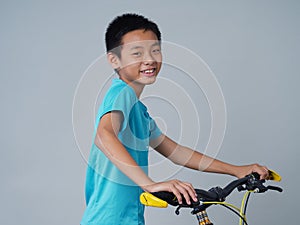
x,y
148,59
148,62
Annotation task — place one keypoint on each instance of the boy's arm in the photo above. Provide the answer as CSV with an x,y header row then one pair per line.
x,y
190,158
107,141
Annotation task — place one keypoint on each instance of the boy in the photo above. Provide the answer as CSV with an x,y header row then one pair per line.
x,y
117,170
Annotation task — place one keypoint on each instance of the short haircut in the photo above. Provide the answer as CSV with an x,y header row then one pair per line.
x,y
123,24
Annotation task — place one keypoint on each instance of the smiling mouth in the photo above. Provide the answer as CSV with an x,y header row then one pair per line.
x,y
148,72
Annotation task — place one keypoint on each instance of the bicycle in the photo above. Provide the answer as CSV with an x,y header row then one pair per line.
x,y
214,196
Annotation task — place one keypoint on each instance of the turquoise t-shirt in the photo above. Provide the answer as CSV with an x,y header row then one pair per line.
x,y
111,197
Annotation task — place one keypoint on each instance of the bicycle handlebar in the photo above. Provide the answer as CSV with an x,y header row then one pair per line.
x,y
217,194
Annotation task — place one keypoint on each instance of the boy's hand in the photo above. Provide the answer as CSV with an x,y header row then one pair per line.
x,y
178,188
243,171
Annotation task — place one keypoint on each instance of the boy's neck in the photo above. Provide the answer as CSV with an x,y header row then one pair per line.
x,y
138,88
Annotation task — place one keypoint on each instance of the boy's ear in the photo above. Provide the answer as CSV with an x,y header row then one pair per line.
x,y
114,60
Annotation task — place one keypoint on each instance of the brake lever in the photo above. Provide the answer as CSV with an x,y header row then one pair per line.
x,y
185,205
274,188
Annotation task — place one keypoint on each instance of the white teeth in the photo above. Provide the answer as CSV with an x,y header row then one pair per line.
x,y
149,71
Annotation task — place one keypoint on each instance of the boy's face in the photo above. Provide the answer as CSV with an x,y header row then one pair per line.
x,y
141,58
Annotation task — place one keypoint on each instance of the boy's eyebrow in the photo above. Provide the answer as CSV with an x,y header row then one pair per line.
x,y
157,43
139,46
136,47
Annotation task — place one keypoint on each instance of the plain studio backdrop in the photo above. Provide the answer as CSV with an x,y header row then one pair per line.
x,y
252,47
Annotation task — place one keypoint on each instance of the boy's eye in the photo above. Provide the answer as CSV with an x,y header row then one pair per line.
x,y
156,50
137,53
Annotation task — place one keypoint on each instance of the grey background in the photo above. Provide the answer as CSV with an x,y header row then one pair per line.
x,y
251,46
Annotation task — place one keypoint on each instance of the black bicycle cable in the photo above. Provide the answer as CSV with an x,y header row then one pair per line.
x,y
235,212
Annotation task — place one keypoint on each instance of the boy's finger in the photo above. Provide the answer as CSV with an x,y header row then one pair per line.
x,y
185,193
191,191
177,193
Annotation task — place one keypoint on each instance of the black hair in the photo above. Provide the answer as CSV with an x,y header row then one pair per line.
x,y
123,24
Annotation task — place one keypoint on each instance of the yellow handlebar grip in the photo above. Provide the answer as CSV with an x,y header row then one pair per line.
x,y
148,199
274,176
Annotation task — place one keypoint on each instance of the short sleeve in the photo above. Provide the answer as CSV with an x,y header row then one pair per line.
x,y
119,98
155,132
